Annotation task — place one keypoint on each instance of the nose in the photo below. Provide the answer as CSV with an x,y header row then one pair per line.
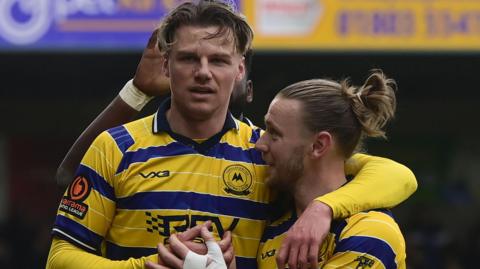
x,y
202,72
261,145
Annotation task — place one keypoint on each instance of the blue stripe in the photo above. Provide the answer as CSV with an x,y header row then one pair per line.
x,y
143,155
97,181
372,246
219,151
78,232
116,252
271,231
255,135
237,154
337,227
195,201
246,263
121,136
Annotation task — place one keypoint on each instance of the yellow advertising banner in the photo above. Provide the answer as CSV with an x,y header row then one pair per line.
x,y
431,25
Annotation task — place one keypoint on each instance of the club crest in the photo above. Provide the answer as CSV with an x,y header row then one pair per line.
x,y
238,180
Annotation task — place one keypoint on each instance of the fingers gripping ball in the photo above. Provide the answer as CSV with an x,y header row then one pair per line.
x,y
213,259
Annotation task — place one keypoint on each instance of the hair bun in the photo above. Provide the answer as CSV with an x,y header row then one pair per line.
x,y
374,103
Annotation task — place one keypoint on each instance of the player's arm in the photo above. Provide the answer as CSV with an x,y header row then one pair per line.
x,y
87,209
116,113
378,183
149,80
63,254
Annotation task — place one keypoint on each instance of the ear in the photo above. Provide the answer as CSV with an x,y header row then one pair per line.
x,y
249,91
241,69
166,61
322,143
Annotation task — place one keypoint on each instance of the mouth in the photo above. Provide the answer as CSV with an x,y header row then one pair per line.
x,y
266,160
201,90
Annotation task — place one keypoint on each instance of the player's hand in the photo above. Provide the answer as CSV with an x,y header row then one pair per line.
x,y
182,257
227,249
302,242
225,244
149,77
188,239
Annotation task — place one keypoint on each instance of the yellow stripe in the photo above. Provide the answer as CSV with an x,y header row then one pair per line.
x,y
207,178
377,225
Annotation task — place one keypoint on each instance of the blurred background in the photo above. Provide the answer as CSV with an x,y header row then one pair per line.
x,y
63,61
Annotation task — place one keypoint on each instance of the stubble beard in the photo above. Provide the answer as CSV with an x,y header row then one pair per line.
x,y
286,177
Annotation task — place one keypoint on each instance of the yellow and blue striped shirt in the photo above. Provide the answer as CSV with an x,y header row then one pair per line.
x,y
140,182
365,240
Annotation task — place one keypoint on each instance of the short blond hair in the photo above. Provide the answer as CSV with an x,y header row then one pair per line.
x,y
206,13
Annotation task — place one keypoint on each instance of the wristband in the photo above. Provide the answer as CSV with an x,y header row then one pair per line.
x,y
195,261
215,253
133,96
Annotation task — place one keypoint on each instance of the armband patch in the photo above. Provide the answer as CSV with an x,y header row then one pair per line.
x,y
77,192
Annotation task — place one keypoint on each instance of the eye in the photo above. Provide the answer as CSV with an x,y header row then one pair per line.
x,y
274,136
272,133
219,61
188,58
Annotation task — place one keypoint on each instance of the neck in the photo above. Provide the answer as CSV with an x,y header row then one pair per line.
x,y
319,178
195,127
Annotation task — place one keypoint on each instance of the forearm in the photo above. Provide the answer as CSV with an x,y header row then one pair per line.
x,y
117,113
379,183
65,255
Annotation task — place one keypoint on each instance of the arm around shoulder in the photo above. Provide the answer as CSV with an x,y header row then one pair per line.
x,y
378,183
386,171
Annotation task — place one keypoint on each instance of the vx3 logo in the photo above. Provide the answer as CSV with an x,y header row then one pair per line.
x,y
268,254
154,174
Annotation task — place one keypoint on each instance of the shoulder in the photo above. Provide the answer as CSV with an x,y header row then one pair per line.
x,y
138,128
279,226
380,223
374,233
130,133
248,132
